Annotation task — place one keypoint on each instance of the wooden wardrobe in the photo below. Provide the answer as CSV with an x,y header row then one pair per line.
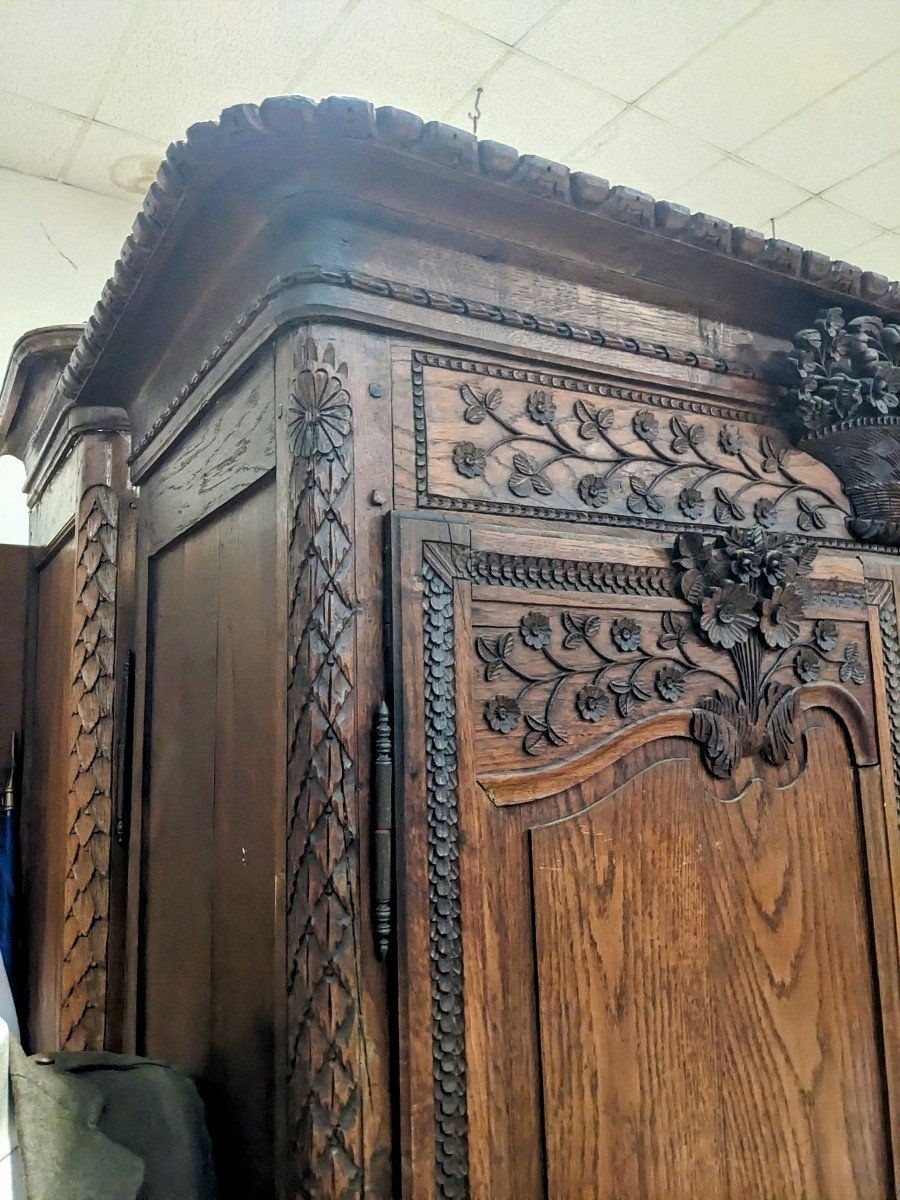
x,y
502,696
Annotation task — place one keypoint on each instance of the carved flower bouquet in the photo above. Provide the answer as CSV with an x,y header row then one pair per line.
x,y
748,591
846,400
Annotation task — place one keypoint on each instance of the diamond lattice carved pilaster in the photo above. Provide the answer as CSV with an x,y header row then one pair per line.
x,y
324,1120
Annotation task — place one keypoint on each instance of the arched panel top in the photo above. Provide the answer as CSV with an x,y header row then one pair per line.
x,y
532,784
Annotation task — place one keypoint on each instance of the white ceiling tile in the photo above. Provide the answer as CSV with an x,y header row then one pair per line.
x,y
873,193
186,62
818,225
847,130
625,48
34,138
506,20
514,108
643,152
401,53
114,162
882,254
57,246
753,77
740,193
58,51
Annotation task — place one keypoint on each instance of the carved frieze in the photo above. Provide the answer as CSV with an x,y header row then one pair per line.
x,y
495,438
845,406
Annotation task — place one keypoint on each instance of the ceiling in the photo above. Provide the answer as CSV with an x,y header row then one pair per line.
x,y
783,115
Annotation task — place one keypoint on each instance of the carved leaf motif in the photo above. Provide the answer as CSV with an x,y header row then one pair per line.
x,y
772,457
727,509
782,704
323,1067
527,477
809,516
89,808
642,500
720,724
592,421
478,407
577,629
533,741
629,693
673,630
685,436
851,669
492,652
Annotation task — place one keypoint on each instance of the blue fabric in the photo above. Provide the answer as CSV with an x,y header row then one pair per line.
x,y
9,865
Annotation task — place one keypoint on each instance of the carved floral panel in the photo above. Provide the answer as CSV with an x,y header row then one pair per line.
x,y
494,438
731,634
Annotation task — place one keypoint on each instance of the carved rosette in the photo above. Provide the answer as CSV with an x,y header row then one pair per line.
x,y
846,405
89,810
324,1102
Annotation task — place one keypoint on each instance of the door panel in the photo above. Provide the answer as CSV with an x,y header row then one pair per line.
x,y
630,966
210,829
694,977
44,815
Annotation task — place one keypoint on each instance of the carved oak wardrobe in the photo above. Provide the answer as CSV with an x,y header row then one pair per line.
x,y
472,594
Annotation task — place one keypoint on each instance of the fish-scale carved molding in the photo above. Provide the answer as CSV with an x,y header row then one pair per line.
x,y
89,808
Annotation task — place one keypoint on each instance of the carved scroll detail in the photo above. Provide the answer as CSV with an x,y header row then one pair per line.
x,y
447,1021
324,1101
89,809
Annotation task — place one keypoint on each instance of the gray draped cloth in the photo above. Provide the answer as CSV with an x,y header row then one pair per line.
x,y
97,1126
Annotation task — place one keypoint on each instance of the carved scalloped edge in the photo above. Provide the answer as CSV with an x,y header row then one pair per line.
x,y
343,117
563,574
496,568
444,901
881,593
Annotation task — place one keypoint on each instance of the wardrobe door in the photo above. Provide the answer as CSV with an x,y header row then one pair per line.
x,y
646,941
44,811
209,825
